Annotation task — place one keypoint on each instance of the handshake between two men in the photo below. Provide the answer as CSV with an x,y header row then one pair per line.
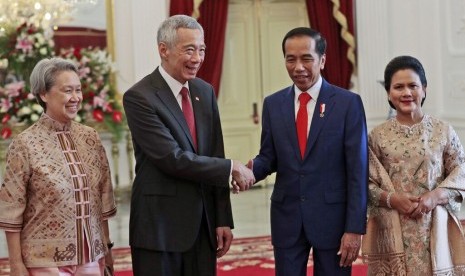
x,y
242,176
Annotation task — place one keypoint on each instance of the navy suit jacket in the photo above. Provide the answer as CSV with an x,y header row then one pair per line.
x,y
175,185
326,192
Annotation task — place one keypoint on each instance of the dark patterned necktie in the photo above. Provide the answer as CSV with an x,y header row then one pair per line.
x,y
189,114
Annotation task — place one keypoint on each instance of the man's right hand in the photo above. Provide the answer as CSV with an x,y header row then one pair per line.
x,y
242,176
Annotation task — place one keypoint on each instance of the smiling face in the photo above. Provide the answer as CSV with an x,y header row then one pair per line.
x,y
183,60
302,61
64,98
406,93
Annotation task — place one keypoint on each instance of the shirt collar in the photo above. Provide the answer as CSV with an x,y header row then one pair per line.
x,y
314,91
174,85
53,124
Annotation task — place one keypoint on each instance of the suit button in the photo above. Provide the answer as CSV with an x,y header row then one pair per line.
x,y
302,198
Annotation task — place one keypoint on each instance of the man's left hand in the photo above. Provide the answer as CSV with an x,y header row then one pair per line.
x,y
224,238
350,247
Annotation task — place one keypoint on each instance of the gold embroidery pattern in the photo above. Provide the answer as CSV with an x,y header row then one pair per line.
x,y
56,192
384,265
65,255
99,247
456,271
417,159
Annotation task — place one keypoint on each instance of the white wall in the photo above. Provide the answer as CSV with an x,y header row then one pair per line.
x,y
431,30
136,24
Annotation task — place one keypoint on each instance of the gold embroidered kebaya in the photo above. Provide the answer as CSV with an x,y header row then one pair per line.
x,y
414,160
57,191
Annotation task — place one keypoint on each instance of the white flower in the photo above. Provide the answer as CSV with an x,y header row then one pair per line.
x,y
3,63
85,59
24,111
40,38
43,51
34,117
37,108
78,118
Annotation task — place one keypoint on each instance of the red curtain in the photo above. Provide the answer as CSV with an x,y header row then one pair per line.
x,y
213,18
338,68
181,7
79,37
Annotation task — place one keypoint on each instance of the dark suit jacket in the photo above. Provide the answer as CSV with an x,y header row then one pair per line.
x,y
326,193
173,183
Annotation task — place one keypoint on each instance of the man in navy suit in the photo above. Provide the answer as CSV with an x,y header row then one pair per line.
x,y
181,217
317,145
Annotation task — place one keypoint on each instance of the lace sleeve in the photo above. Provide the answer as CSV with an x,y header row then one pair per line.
x,y
455,200
375,194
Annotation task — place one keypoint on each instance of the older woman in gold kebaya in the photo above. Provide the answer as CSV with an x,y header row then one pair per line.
x,y
56,194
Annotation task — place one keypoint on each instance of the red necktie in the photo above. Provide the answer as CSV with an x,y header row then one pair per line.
x,y
302,122
189,114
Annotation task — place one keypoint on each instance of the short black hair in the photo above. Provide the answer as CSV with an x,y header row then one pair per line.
x,y
305,31
403,63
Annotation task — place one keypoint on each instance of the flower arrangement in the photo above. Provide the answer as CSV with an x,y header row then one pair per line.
x,y
21,48
100,103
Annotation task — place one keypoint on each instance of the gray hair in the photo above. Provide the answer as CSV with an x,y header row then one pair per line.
x,y
167,30
44,74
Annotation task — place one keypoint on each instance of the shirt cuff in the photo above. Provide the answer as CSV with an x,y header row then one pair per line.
x,y
230,173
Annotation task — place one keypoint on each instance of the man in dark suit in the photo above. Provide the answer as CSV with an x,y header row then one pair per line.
x,y
181,217
314,136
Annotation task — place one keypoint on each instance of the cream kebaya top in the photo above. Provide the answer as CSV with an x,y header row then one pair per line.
x,y
57,191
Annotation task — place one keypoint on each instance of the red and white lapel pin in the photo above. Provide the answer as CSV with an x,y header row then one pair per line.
x,y
322,110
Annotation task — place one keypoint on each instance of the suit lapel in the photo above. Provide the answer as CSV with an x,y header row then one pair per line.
x,y
318,121
165,94
288,113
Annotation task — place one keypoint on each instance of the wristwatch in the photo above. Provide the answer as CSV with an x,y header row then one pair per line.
x,y
110,245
